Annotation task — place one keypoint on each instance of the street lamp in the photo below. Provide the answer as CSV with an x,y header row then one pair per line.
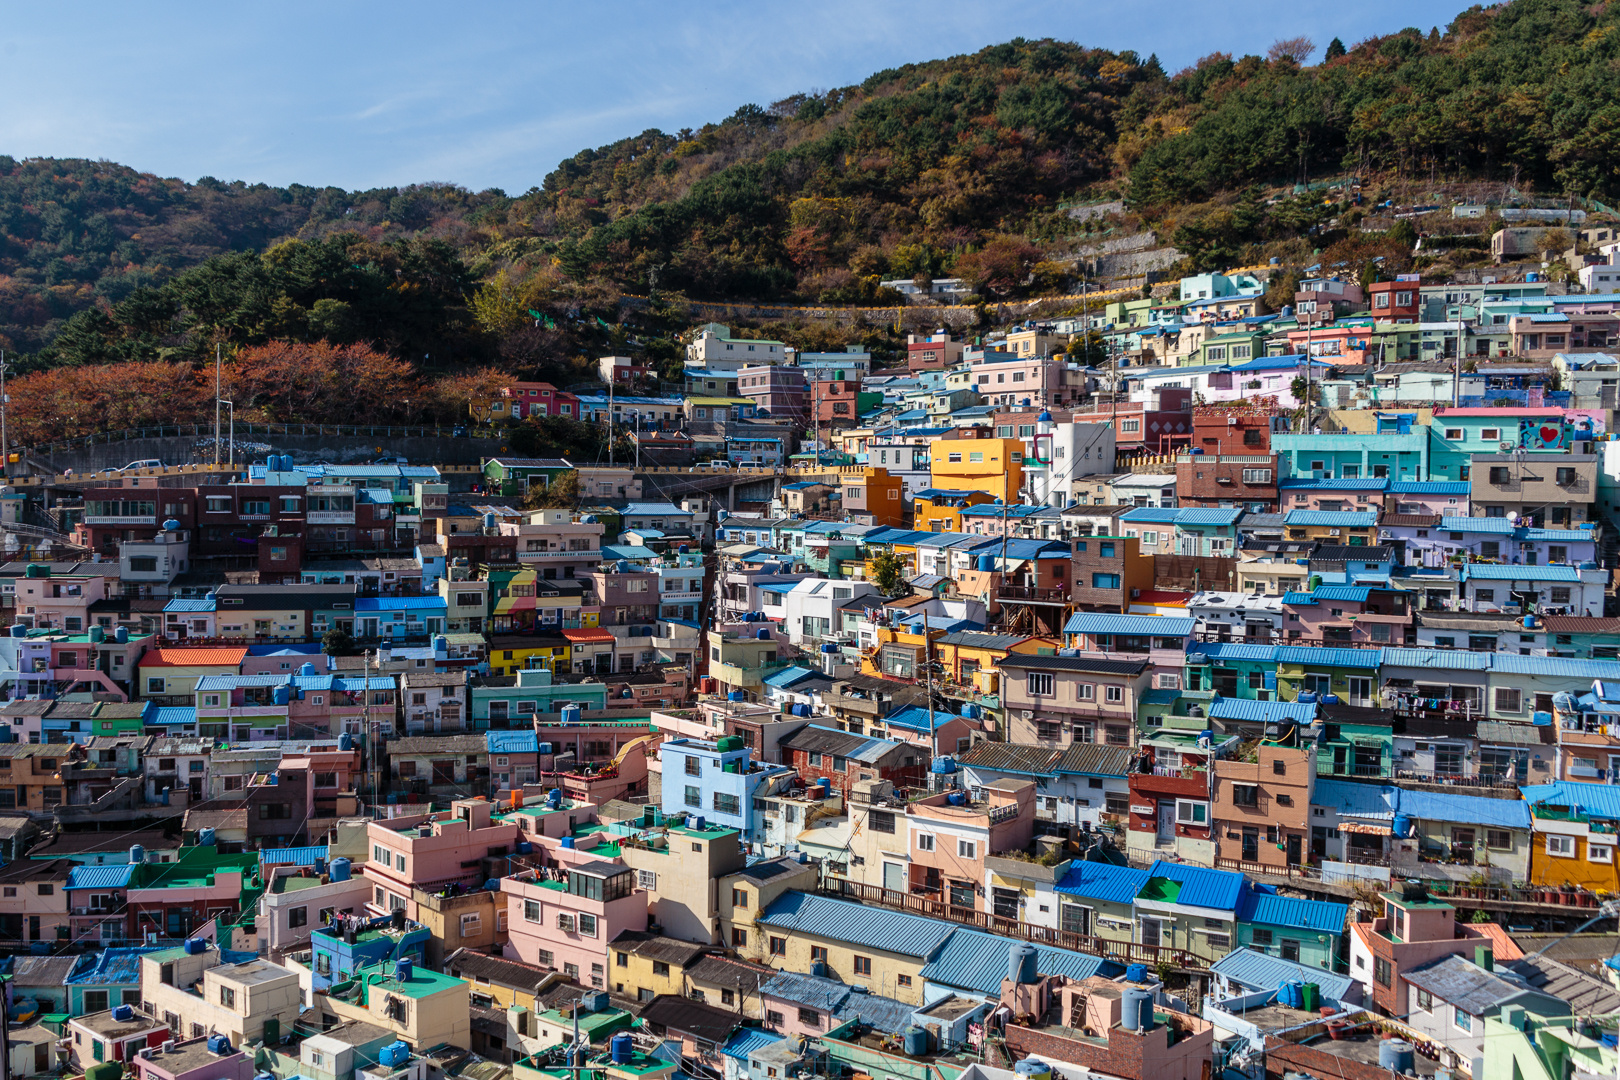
x,y
232,461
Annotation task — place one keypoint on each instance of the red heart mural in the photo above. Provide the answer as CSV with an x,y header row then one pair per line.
x,y
1549,434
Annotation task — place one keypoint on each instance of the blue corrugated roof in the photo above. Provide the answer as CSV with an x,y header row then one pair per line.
x,y
1201,886
1353,593
100,877
1151,515
1493,572
512,742
172,714
787,677
1103,881
399,603
1294,911
1446,806
745,1041
1310,655
1206,516
1357,800
1298,599
1100,622
1597,800
1326,484
1257,971
206,604
292,856
891,931
1234,650
1447,659
1477,525
975,960
1514,664
1345,518
1230,708
1428,487
914,718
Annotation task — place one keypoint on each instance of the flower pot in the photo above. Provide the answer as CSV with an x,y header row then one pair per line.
x,y
1337,1030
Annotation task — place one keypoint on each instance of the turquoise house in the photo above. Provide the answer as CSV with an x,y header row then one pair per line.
x,y
1397,455
1307,932
1234,670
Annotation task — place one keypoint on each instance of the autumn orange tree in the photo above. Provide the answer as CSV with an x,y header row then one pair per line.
x,y
448,398
64,402
318,382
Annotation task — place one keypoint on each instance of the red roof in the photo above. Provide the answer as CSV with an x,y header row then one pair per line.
x,y
199,656
587,635
1163,597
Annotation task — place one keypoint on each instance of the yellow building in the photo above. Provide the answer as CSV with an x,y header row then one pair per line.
x,y
526,652
472,920
499,983
884,951
424,1009
748,891
644,965
963,655
1575,828
940,509
994,466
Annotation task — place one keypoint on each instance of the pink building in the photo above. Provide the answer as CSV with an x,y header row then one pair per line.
x,y
1348,615
1161,422
191,1061
435,850
1027,382
285,661
948,841
565,925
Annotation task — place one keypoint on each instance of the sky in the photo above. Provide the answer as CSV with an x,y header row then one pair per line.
x,y
359,94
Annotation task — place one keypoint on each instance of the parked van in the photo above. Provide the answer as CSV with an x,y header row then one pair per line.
x,y
149,463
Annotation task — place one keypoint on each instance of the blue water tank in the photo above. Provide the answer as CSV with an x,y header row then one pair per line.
x,y
828,647
123,1013
567,842
1402,826
137,854
1307,697
170,524
346,741
955,798
196,946
818,969
763,634
943,765
736,695
570,714
394,1054
700,823
205,836
916,1041
987,564
1136,1010
1541,719
489,521
1136,973
441,645
554,798
1529,622
282,694
18,630
1330,699
1397,1055
121,635
622,1048
339,870
308,669
402,969
1021,957
219,1044
525,848
492,885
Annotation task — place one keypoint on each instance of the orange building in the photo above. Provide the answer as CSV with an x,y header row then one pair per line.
x,y
875,498
940,509
994,466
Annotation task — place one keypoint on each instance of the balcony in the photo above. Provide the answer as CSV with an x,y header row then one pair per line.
x,y
329,517
1028,594
104,519
589,555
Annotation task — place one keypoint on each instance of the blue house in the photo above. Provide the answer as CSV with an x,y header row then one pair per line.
x,y
1306,932
389,617
339,951
717,782
112,978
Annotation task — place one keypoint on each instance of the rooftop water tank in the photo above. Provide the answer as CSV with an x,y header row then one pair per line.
x,y
1136,973
554,798
570,714
346,741
1402,826
763,634
700,823
1021,963
170,524
219,1044
18,630
1397,1055
916,1041
567,842
622,1048
402,969
205,836
943,765
987,564
339,870
123,1013
121,635
137,854
282,694
307,669
1136,1010
97,635
1033,1069
394,1054
489,521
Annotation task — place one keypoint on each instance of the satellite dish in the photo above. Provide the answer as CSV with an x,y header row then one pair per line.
x,y
1513,515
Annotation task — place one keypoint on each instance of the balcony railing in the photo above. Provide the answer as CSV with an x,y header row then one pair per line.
x,y
1033,595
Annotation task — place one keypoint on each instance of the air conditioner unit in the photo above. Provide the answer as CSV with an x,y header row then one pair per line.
x,y
1507,447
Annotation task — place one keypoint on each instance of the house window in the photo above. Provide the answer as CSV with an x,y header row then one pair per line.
x,y
1561,846
965,849
1599,853
1381,972
1425,1001
925,841
1040,684
778,946
863,965
1192,813
1498,840
1509,699
1114,694
1464,1021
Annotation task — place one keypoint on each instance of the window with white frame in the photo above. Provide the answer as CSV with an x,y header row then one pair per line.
x,y
1599,853
1114,694
1040,684
1086,691
966,849
1189,812
925,841
1561,846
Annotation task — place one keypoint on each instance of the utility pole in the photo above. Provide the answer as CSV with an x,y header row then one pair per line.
x,y
612,372
928,672
5,444
216,403
1456,375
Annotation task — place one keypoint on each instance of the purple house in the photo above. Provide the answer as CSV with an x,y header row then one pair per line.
x,y
193,1060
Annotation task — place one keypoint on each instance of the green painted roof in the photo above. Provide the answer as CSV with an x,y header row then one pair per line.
x,y
1161,889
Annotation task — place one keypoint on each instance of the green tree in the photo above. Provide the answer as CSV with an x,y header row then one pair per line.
x,y
889,574
338,642
561,494
1335,50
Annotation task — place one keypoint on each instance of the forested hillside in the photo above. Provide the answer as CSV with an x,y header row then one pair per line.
x,y
953,167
